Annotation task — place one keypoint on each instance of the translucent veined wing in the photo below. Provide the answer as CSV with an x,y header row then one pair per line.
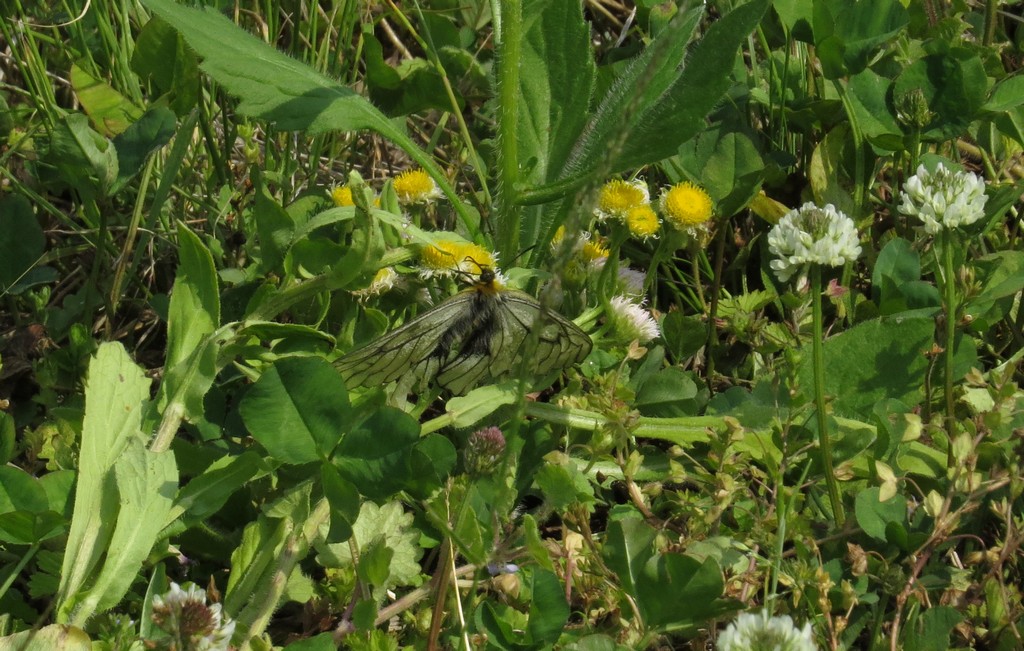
x,y
473,337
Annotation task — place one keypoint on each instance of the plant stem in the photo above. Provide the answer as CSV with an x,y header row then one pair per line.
x,y
716,288
818,359
509,59
18,567
949,287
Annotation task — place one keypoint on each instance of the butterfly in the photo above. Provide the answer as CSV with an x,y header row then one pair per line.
x,y
474,337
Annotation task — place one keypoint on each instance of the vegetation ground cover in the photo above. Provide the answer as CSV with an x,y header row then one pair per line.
x,y
684,325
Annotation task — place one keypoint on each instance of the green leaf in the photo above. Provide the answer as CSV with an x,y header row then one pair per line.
x,y
205,494
725,161
297,410
253,561
7,444
195,300
54,637
1007,94
193,315
83,158
322,642
343,497
431,462
873,361
797,16
478,404
374,565
674,116
930,630
494,619
375,456
548,609
954,84
829,173
161,56
22,498
896,283
669,392
392,525
846,34
271,85
627,548
274,227
21,244
146,482
668,580
920,459
141,138
635,91
109,110
873,516
684,335
556,80
59,486
411,87
564,485
868,92
116,394
1001,277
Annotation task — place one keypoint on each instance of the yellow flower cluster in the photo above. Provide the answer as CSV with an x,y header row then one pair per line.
x,y
630,203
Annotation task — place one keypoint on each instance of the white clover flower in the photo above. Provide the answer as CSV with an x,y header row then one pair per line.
x,y
632,321
812,235
189,624
943,199
760,632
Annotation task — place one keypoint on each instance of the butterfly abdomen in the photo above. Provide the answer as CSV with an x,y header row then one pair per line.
x,y
474,328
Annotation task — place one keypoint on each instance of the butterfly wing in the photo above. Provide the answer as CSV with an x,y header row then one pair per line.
x,y
495,346
410,347
473,337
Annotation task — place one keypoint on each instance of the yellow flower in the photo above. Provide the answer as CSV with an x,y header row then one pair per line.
x,y
383,281
415,186
442,258
595,253
450,257
642,221
342,196
475,258
618,196
686,206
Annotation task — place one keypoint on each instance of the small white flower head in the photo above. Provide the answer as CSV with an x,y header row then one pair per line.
x,y
943,199
631,321
812,235
188,622
759,632
631,282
